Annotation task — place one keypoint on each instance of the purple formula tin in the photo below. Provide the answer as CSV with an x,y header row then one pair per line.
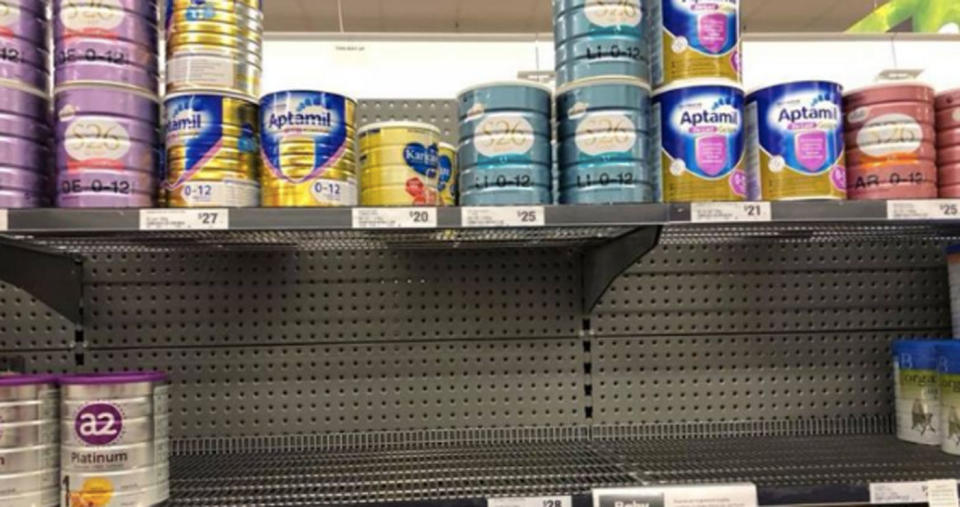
x,y
107,73
19,199
83,153
113,52
103,125
105,19
127,103
26,387
145,8
23,23
22,102
105,181
36,7
12,178
27,128
24,63
23,153
104,200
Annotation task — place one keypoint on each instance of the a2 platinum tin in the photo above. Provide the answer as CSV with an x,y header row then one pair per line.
x,y
28,459
28,433
137,488
44,498
27,482
20,388
115,458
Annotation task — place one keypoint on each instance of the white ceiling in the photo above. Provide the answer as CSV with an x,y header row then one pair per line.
x,y
525,16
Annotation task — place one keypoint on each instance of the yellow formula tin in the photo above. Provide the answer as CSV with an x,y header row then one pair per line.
x,y
447,174
249,30
239,17
217,171
398,133
212,194
189,42
333,188
220,5
398,196
212,72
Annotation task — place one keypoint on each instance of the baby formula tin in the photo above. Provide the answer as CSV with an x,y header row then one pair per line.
x,y
212,71
795,146
503,96
308,150
24,63
948,361
399,163
28,388
107,62
600,38
604,142
27,433
115,489
24,20
43,498
916,394
105,19
28,459
447,176
26,482
699,129
695,39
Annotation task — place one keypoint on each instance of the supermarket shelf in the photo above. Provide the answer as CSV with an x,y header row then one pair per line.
x,y
808,470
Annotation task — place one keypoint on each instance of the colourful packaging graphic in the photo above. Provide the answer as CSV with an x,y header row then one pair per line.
x,y
695,39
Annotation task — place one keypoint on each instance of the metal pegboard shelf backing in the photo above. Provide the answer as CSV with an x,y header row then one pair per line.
x,y
28,325
440,113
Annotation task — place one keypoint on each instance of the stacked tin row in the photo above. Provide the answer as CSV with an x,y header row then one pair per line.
x,y
308,149
399,164
214,61
105,103
29,448
505,153
115,436
24,107
891,142
948,142
601,39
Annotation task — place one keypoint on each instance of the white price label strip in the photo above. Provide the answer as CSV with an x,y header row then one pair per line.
x,y
941,209
942,493
718,495
898,492
4,220
719,212
540,501
394,218
503,216
184,219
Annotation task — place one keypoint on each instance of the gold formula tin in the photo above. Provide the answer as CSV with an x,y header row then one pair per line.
x,y
413,195
187,18
399,162
333,189
248,30
214,194
220,5
399,133
189,43
447,174
212,72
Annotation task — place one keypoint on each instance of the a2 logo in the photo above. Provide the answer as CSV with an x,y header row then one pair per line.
x,y
98,424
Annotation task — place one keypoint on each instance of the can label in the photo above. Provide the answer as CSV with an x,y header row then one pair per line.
x,y
606,14
602,133
701,143
9,18
97,18
99,424
795,143
192,71
918,405
950,412
227,193
99,142
503,135
319,192
698,38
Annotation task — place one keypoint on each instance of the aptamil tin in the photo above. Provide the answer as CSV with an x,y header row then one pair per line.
x,y
699,128
695,39
948,370
307,147
915,391
398,162
604,141
447,174
212,72
795,144
26,482
227,193
600,38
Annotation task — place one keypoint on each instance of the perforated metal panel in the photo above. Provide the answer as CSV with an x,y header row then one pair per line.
x,y
441,113
28,325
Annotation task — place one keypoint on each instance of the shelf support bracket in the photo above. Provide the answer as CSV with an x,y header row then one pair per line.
x,y
604,263
52,276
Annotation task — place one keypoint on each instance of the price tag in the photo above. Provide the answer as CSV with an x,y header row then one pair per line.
x,y
184,219
719,212
504,216
898,492
394,218
4,220
715,495
540,501
942,493
942,209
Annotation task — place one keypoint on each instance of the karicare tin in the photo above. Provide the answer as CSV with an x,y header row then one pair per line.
x,y
115,458
105,488
699,129
199,72
948,375
396,133
44,498
26,180
916,392
28,459
24,63
447,175
32,410
599,38
28,433
106,19
26,482
227,193
220,5
795,144
691,40
404,154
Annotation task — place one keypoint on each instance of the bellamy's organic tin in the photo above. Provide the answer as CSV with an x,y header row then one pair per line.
x,y
28,459
399,164
698,126
948,374
26,482
693,40
27,433
604,141
597,38
795,142
447,174
915,391
307,141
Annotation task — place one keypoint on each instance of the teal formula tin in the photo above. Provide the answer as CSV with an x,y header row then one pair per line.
x,y
795,142
916,391
604,141
505,153
698,129
601,38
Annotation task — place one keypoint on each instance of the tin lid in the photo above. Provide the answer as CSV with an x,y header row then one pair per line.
x,y
448,146
398,124
948,99
26,380
604,80
695,83
87,379
918,354
304,90
901,91
494,84
948,356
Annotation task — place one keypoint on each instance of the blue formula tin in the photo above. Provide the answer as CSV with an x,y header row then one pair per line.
x,y
507,148
795,142
505,185
600,38
504,96
604,140
506,122
608,194
511,196
698,126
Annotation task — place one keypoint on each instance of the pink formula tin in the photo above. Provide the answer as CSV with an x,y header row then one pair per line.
x,y
864,177
948,99
886,93
950,191
948,118
949,155
949,174
894,152
888,192
948,137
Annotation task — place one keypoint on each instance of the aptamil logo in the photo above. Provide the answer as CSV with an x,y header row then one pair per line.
x,y
807,112
422,159
310,114
703,116
183,117
613,12
98,424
